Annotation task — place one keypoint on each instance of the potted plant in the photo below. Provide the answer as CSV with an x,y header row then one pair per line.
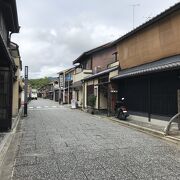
x,y
91,103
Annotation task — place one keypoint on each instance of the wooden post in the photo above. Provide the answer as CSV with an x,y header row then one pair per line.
x,y
178,101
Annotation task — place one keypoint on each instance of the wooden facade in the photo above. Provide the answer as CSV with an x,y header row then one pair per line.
x,y
102,58
8,24
154,92
159,40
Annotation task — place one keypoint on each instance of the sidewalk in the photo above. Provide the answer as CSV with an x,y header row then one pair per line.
x,y
6,137
155,127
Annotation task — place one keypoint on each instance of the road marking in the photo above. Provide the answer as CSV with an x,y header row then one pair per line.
x,y
45,109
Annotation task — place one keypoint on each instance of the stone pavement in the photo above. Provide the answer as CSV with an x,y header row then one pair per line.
x,y
156,127
2,136
60,143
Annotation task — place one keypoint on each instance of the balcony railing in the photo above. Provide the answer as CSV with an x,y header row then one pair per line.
x,y
82,75
113,64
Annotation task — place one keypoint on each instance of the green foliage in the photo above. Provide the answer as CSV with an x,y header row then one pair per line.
x,y
37,83
92,100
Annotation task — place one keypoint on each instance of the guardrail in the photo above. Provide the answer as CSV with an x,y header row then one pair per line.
x,y
167,128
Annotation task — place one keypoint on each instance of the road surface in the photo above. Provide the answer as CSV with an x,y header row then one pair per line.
x,y
60,143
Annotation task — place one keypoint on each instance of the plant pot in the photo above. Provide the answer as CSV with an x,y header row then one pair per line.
x,y
91,110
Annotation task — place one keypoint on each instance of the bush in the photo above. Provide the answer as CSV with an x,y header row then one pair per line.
x,y
92,100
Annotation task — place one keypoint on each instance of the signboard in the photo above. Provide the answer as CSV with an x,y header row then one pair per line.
x,y
61,79
68,77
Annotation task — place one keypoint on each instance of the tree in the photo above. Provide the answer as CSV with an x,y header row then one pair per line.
x,y
37,83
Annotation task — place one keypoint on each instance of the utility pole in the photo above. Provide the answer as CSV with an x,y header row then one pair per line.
x,y
134,6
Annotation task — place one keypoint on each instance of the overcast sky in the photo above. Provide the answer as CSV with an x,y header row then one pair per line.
x,y
55,32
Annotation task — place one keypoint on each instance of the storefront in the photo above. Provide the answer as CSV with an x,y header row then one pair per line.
x,y
56,95
151,90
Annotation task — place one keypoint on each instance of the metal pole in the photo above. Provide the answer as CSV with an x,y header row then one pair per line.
x,y
133,6
133,16
25,91
68,92
64,86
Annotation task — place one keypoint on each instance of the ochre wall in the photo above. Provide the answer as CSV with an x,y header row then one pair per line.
x,y
159,40
15,101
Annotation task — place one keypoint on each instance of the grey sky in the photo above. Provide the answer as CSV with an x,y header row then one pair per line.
x,y
55,32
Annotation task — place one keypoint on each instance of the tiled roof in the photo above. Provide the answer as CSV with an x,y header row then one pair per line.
x,y
99,48
101,73
157,66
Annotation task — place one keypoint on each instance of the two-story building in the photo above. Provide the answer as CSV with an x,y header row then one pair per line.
x,y
92,76
149,58
43,92
50,91
65,86
17,80
8,25
56,90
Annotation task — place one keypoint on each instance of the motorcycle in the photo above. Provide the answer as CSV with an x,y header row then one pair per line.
x,y
120,110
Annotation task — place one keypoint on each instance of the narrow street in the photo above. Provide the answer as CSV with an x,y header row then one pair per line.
x,y
60,143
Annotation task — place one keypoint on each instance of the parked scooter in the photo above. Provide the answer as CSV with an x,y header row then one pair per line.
x,y
120,110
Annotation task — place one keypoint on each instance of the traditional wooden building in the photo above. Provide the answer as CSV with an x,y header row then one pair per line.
x,y
149,59
17,80
8,25
65,86
95,67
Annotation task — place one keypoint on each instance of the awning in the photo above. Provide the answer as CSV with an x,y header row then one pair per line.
x,y
101,73
165,64
77,84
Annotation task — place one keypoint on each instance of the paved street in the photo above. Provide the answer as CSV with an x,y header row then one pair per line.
x,y
60,143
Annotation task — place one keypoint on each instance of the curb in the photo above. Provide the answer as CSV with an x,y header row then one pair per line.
x,y
155,133
146,130
4,145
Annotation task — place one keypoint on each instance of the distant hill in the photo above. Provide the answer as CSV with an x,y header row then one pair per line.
x,y
53,79
37,83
